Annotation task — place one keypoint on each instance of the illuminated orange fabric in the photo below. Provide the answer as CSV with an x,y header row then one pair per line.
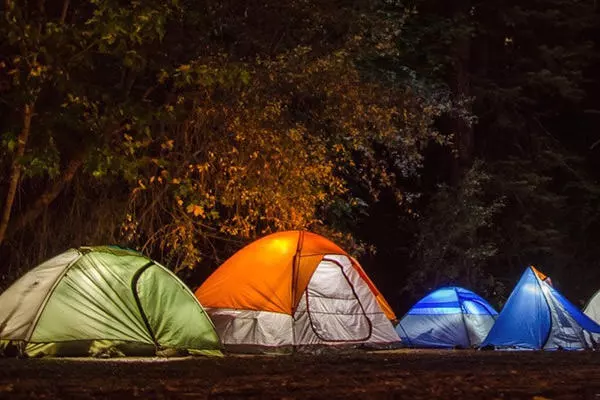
x,y
266,275
539,274
542,276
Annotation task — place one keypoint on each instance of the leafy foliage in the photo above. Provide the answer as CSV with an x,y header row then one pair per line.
x,y
272,148
456,240
249,128
527,66
445,142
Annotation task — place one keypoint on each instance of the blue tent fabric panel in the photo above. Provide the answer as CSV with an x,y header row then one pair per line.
x,y
433,331
436,308
474,304
586,322
441,301
525,320
446,318
567,331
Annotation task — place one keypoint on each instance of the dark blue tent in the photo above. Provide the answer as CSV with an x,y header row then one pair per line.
x,y
447,318
536,316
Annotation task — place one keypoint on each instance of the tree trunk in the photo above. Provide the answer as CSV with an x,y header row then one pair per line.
x,y
15,173
50,194
65,9
464,141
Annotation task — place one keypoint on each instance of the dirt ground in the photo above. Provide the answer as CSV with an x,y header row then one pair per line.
x,y
407,374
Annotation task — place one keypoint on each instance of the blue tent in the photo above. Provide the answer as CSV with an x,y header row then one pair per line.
x,y
447,318
536,316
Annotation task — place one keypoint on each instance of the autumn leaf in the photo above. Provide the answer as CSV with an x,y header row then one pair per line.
x,y
195,209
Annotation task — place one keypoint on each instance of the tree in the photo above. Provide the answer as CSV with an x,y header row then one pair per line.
x,y
269,143
526,67
457,241
266,120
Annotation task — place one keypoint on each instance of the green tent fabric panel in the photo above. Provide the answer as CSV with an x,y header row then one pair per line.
x,y
20,303
94,300
176,318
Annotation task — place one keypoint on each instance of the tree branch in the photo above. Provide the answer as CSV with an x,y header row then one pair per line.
x,y
50,194
54,190
65,8
16,168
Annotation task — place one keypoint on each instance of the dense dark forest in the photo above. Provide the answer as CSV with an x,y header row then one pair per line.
x,y
440,142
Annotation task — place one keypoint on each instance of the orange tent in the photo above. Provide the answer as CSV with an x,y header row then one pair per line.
x,y
272,275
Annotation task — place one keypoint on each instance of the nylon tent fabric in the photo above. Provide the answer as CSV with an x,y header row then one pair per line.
x,y
448,317
292,289
260,276
525,320
571,328
536,316
31,289
592,308
580,317
103,301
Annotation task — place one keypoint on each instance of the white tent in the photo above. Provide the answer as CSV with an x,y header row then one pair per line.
x,y
592,309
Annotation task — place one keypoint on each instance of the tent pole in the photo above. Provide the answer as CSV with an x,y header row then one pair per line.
x,y
295,268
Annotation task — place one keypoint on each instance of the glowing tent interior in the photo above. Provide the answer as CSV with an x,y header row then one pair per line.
x,y
102,301
449,317
294,289
536,316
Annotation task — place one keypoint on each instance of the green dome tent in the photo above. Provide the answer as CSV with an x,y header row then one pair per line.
x,y
103,301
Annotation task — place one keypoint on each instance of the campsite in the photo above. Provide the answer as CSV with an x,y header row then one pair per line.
x,y
76,325
300,199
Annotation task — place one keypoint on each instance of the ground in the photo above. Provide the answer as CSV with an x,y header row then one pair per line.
x,y
411,374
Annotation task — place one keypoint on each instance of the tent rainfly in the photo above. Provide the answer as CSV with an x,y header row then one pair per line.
x,y
294,289
592,309
537,317
103,301
449,317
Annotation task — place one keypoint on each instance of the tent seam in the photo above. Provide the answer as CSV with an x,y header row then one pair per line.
x,y
539,282
191,294
359,303
462,316
134,291
295,271
38,315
